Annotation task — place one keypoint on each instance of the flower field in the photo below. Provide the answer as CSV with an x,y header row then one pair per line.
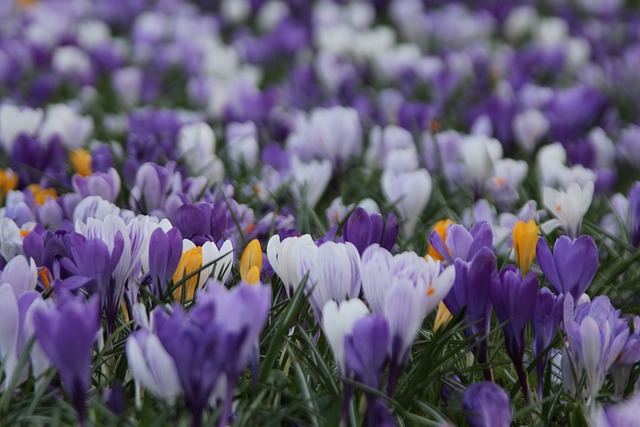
x,y
319,213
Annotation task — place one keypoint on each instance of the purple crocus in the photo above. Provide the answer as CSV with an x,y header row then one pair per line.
x,y
472,288
462,243
103,184
364,229
595,335
487,405
628,357
544,326
66,333
572,266
634,214
165,250
514,301
364,358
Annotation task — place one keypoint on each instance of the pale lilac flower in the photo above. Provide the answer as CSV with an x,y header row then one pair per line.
x,y
409,192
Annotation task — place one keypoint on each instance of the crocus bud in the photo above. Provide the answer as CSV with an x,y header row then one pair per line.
x,y
443,316
525,237
487,404
251,262
81,161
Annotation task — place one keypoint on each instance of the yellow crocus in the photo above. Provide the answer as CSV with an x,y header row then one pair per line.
x,y
443,317
190,262
525,237
40,194
8,182
440,227
81,161
251,262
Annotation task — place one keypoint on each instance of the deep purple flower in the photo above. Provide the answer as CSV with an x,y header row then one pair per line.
x,y
628,357
572,266
66,334
363,349
514,301
165,250
487,405
364,229
544,326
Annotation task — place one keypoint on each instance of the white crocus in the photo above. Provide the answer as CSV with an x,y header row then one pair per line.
x,y
62,121
14,121
570,206
529,127
10,239
309,180
338,322
550,160
282,257
479,155
218,261
410,192
197,145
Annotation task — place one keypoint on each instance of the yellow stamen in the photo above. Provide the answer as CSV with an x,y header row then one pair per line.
x,y
8,182
40,194
190,262
431,290
251,262
440,227
125,311
26,4
45,277
525,237
443,316
81,161
25,233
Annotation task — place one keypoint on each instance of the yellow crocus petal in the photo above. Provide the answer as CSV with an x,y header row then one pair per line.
x,y
26,4
443,316
525,237
440,227
124,311
251,259
8,181
81,161
253,276
45,277
40,194
190,262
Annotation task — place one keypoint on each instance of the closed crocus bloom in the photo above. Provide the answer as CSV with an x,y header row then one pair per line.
x,y
634,214
242,145
410,192
62,121
572,266
525,237
197,144
251,262
337,322
151,365
165,252
105,185
440,228
486,404
310,180
66,334
529,127
81,161
334,273
364,229
544,327
569,207
282,257
595,336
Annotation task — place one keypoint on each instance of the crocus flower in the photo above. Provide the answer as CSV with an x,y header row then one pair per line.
x,y
409,192
572,266
283,255
62,121
21,274
80,160
544,326
14,121
440,228
628,357
251,262
66,334
8,182
595,334
634,214
197,144
334,273
443,316
487,405
309,180
165,251
364,229
514,301
462,243
525,236
569,207
338,321
105,185
198,263
617,415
